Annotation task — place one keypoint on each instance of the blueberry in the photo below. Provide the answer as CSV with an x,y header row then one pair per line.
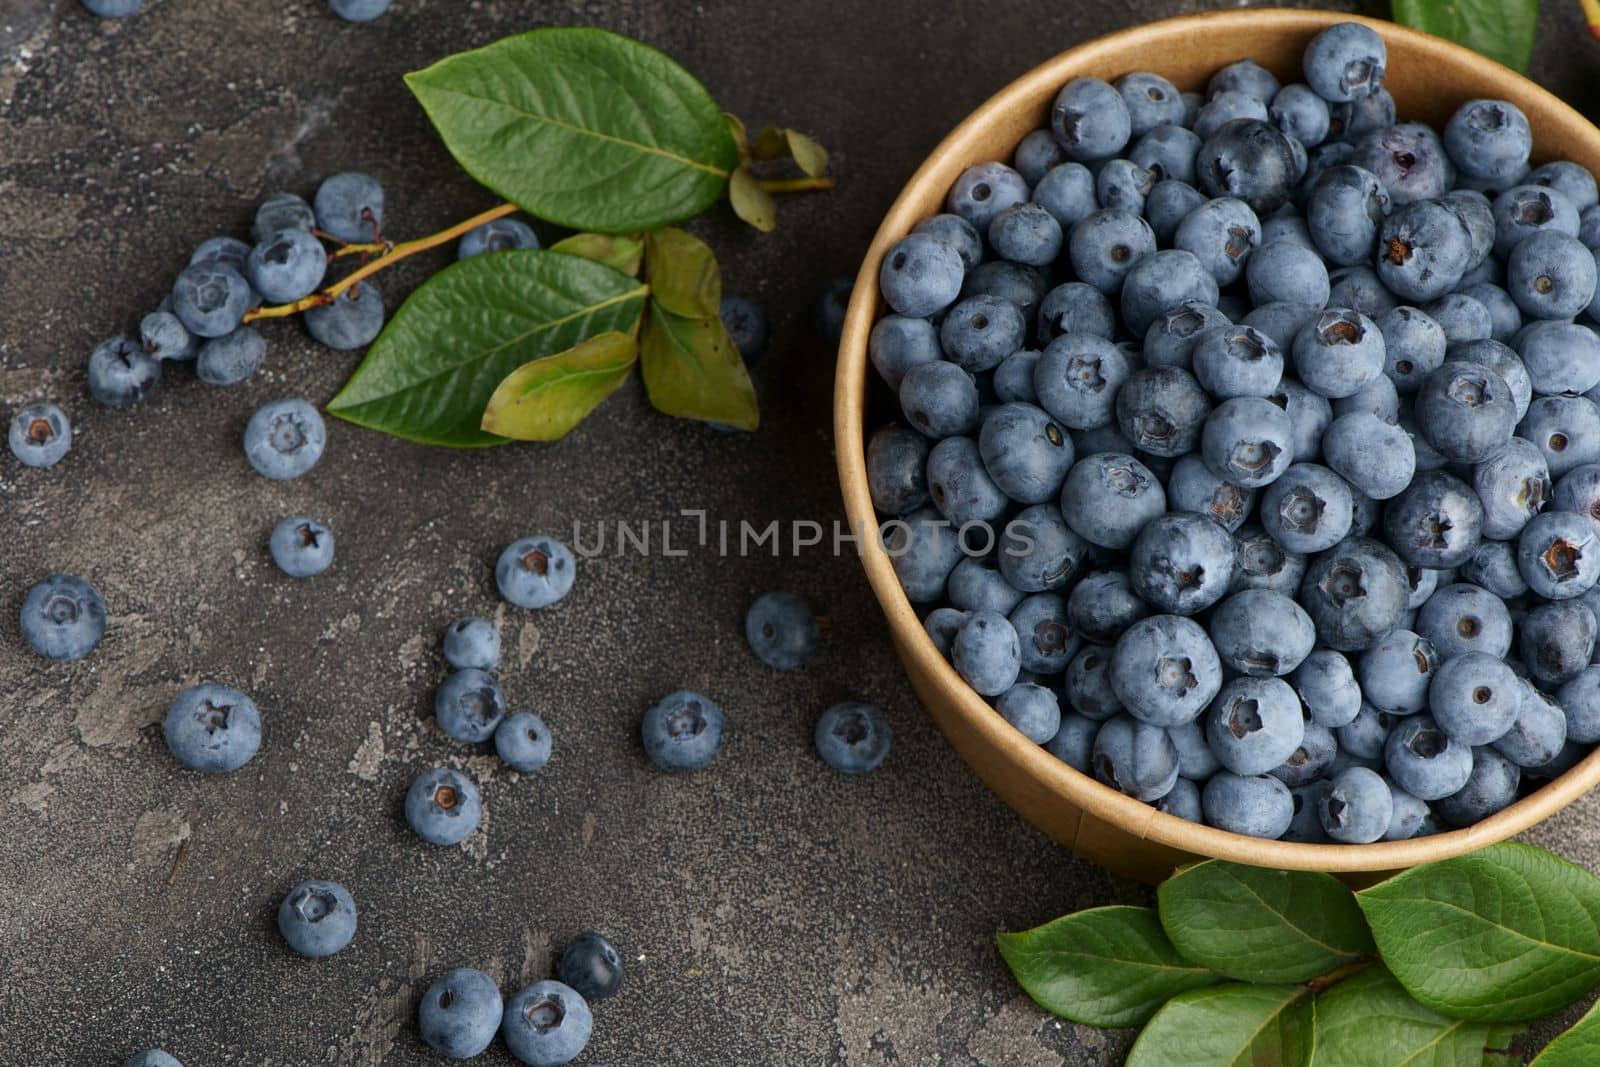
x,y
956,232
228,251
349,207
522,741
1476,212
940,399
117,9
1310,760
278,212
1195,758
1162,410
1358,807
231,358
301,546
152,1057
1570,179
899,344
1032,709
534,572
981,331
1181,563
1589,226
1104,246
1551,275
1248,440
1075,308
1121,184
1578,491
1565,430
1090,120
1375,457
1345,62
781,630
460,1013
1165,153
1378,399
1182,801
353,320
1475,698
358,10
1027,233
1396,672
921,275
1493,565
1461,318
960,484
1355,593
1505,316
1354,119
1425,761
1193,486
1300,113
1262,563
1025,452
1236,361
941,625
923,548
1222,234
40,434
1254,724
1424,249
1151,101
1558,554
1290,228
1344,213
1036,154
1310,415
1408,159
1078,380
1561,357
1525,210
682,731
1283,270
1360,289
1073,743
1491,786
1244,76
165,337
63,618
1327,688
499,235
121,373
1168,204
213,728
1247,159
546,1024
1411,816
472,644
1135,758
317,918
1108,498
1339,353
1463,618
1087,685
443,807
1363,737
897,460
1436,522
987,653
211,298
469,705
284,439
1489,139
287,265
1228,106
1557,641
1307,509
1261,633
1513,484
1504,362
1047,628
1466,411
1067,192
592,966
1259,806
1164,670
1162,281
1305,825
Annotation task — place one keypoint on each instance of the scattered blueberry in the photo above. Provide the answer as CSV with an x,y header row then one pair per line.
x,y
781,630
853,737
284,439
546,1024
317,918
40,434
213,728
682,731
443,807
63,618
460,1013
469,705
534,572
301,546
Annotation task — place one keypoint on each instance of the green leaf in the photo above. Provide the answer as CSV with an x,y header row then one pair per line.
x,y
752,203
683,274
1577,1047
1507,933
544,399
582,127
1500,29
431,372
1259,925
1106,967
1367,1020
618,253
692,370
1231,1025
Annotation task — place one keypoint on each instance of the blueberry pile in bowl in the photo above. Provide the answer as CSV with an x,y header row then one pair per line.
x,y
1250,457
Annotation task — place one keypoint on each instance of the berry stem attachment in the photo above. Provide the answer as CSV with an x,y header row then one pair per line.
x,y
794,185
391,255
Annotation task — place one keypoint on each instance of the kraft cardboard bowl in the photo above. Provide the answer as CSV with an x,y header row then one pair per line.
x,y
1429,78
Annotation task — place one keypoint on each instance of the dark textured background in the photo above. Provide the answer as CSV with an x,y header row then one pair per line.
x,y
773,912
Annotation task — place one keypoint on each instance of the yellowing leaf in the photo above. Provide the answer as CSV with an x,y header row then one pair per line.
x,y
752,203
618,253
693,370
544,399
683,273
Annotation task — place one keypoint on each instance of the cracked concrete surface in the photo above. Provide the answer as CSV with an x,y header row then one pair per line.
x,y
772,911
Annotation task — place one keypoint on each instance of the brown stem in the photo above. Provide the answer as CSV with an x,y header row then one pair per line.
x,y
1319,986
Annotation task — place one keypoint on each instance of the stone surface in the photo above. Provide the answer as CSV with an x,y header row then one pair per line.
x,y
771,911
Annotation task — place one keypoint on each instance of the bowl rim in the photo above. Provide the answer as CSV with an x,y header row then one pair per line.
x,y
916,648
